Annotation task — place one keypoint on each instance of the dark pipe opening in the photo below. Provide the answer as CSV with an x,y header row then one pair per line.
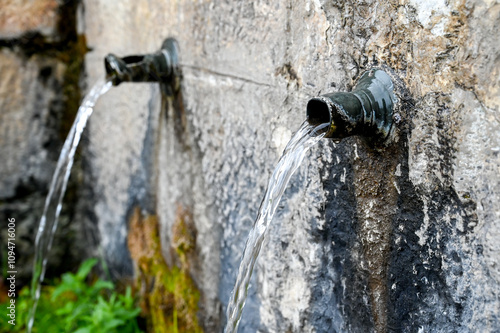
x,y
318,111
133,59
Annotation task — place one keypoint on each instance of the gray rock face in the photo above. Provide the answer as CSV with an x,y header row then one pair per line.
x,y
399,238
29,140
35,89
21,17
26,120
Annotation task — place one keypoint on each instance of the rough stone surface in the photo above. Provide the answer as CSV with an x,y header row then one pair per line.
x,y
36,89
25,119
20,17
28,143
401,238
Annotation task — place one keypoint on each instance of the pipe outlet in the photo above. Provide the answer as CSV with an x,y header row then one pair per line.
x,y
366,111
162,66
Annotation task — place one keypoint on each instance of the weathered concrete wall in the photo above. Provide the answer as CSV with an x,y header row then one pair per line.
x,y
403,238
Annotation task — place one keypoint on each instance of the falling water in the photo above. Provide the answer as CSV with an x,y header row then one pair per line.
x,y
52,208
293,155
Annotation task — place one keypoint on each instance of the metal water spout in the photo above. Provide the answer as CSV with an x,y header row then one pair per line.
x,y
366,111
162,66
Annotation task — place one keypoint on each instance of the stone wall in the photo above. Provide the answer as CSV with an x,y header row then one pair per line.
x,y
400,238
41,61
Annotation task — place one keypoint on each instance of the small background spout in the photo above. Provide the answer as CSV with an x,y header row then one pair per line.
x,y
161,66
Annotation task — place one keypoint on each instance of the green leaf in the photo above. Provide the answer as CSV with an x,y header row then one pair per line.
x,y
85,268
100,284
83,330
113,324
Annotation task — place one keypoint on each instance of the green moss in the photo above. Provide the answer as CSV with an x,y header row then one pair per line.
x,y
170,302
73,57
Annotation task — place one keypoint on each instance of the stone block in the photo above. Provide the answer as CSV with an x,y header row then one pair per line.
x,y
19,17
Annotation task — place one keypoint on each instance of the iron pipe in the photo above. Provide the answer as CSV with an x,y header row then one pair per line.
x,y
366,111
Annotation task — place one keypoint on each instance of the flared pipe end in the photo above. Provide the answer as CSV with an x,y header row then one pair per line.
x,y
319,111
367,111
115,69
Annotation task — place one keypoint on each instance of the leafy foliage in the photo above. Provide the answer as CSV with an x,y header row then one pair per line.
x,y
76,306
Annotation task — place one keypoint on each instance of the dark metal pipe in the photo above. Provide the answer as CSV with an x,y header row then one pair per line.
x,y
162,66
366,111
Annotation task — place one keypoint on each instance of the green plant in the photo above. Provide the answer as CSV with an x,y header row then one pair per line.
x,y
76,306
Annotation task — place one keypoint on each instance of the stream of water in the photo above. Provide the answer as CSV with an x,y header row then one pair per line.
x,y
53,202
292,157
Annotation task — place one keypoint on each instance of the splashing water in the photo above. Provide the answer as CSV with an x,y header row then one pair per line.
x,y
53,202
292,157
